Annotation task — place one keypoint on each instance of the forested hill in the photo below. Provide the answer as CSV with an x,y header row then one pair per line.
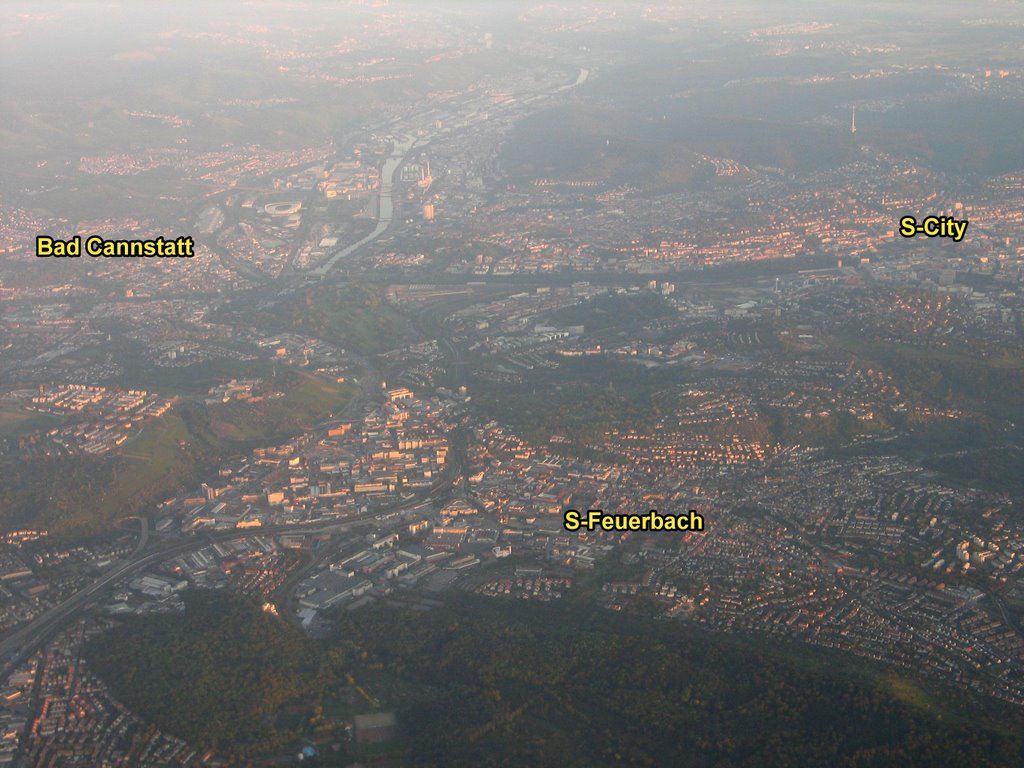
x,y
499,684
486,682
221,676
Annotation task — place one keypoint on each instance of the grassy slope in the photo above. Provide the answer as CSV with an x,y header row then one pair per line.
x,y
16,421
189,446
170,453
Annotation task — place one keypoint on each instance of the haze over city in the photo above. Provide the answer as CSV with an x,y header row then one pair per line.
x,y
510,383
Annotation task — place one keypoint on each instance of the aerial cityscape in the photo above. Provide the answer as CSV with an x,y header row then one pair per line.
x,y
436,383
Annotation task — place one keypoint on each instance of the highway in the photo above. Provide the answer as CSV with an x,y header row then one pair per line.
x,y
24,640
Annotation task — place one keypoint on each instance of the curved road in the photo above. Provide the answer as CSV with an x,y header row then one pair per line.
x,y
27,638
24,640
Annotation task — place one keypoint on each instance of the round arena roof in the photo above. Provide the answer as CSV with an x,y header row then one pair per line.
x,y
282,209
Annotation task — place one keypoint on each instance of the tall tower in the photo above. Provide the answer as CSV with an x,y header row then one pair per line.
x,y
853,121
425,178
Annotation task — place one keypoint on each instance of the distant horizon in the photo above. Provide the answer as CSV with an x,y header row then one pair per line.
x,y
511,383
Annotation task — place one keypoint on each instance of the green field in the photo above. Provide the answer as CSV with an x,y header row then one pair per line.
x,y
307,400
354,317
140,373
15,421
180,449
164,453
